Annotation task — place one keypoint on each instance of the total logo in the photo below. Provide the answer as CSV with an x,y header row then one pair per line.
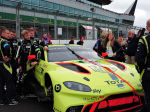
x,y
114,82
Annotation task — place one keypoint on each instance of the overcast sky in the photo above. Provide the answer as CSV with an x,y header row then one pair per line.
x,y
142,12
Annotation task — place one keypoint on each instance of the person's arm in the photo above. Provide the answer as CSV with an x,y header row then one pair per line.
x,y
37,51
6,50
119,47
116,48
43,45
95,46
141,54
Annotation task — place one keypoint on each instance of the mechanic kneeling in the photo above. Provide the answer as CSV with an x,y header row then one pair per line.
x,y
29,56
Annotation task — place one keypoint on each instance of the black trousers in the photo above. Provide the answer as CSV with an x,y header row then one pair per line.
x,y
28,81
146,87
25,86
6,79
14,67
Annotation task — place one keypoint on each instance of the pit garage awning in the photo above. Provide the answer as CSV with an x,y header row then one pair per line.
x,y
101,2
89,27
106,29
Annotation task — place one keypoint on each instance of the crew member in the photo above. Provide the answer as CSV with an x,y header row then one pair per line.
x,y
7,93
142,59
81,42
14,45
72,40
29,56
46,39
132,47
39,42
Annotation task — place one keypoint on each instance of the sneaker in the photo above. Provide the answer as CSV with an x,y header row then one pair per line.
x,y
2,102
13,102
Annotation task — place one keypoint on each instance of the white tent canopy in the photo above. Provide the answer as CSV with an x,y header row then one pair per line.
x,y
106,29
89,27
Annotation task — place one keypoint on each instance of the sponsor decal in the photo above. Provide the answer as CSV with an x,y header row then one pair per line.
x,y
28,47
97,69
113,76
87,79
44,65
132,74
100,68
57,87
15,44
96,91
94,98
114,82
120,86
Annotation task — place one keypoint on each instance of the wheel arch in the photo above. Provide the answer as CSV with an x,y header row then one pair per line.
x,y
47,80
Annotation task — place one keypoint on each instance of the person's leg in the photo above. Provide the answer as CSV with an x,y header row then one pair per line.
x,y
2,91
10,86
132,59
146,87
28,81
14,67
2,83
129,59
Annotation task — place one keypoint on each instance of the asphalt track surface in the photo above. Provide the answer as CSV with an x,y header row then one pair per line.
x,y
27,105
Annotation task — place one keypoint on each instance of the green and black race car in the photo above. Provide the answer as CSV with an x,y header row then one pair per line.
x,y
77,80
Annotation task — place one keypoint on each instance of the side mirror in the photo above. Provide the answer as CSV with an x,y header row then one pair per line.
x,y
31,57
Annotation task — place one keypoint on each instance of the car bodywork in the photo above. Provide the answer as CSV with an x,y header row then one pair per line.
x,y
88,85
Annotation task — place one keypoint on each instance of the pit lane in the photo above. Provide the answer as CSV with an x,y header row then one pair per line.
x,y
27,104
30,104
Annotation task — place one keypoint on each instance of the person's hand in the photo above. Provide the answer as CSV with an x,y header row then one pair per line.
x,y
33,63
6,59
19,60
114,54
45,48
20,68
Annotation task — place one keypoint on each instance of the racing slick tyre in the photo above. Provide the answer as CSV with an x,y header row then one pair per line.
x,y
49,87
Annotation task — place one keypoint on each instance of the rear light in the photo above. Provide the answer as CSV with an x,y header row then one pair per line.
x,y
103,104
136,99
118,101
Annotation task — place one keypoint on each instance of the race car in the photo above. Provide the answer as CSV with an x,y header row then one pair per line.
x,y
76,79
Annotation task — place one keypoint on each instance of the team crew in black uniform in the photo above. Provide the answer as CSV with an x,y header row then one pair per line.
x,y
29,55
7,85
25,55
14,45
143,65
12,57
